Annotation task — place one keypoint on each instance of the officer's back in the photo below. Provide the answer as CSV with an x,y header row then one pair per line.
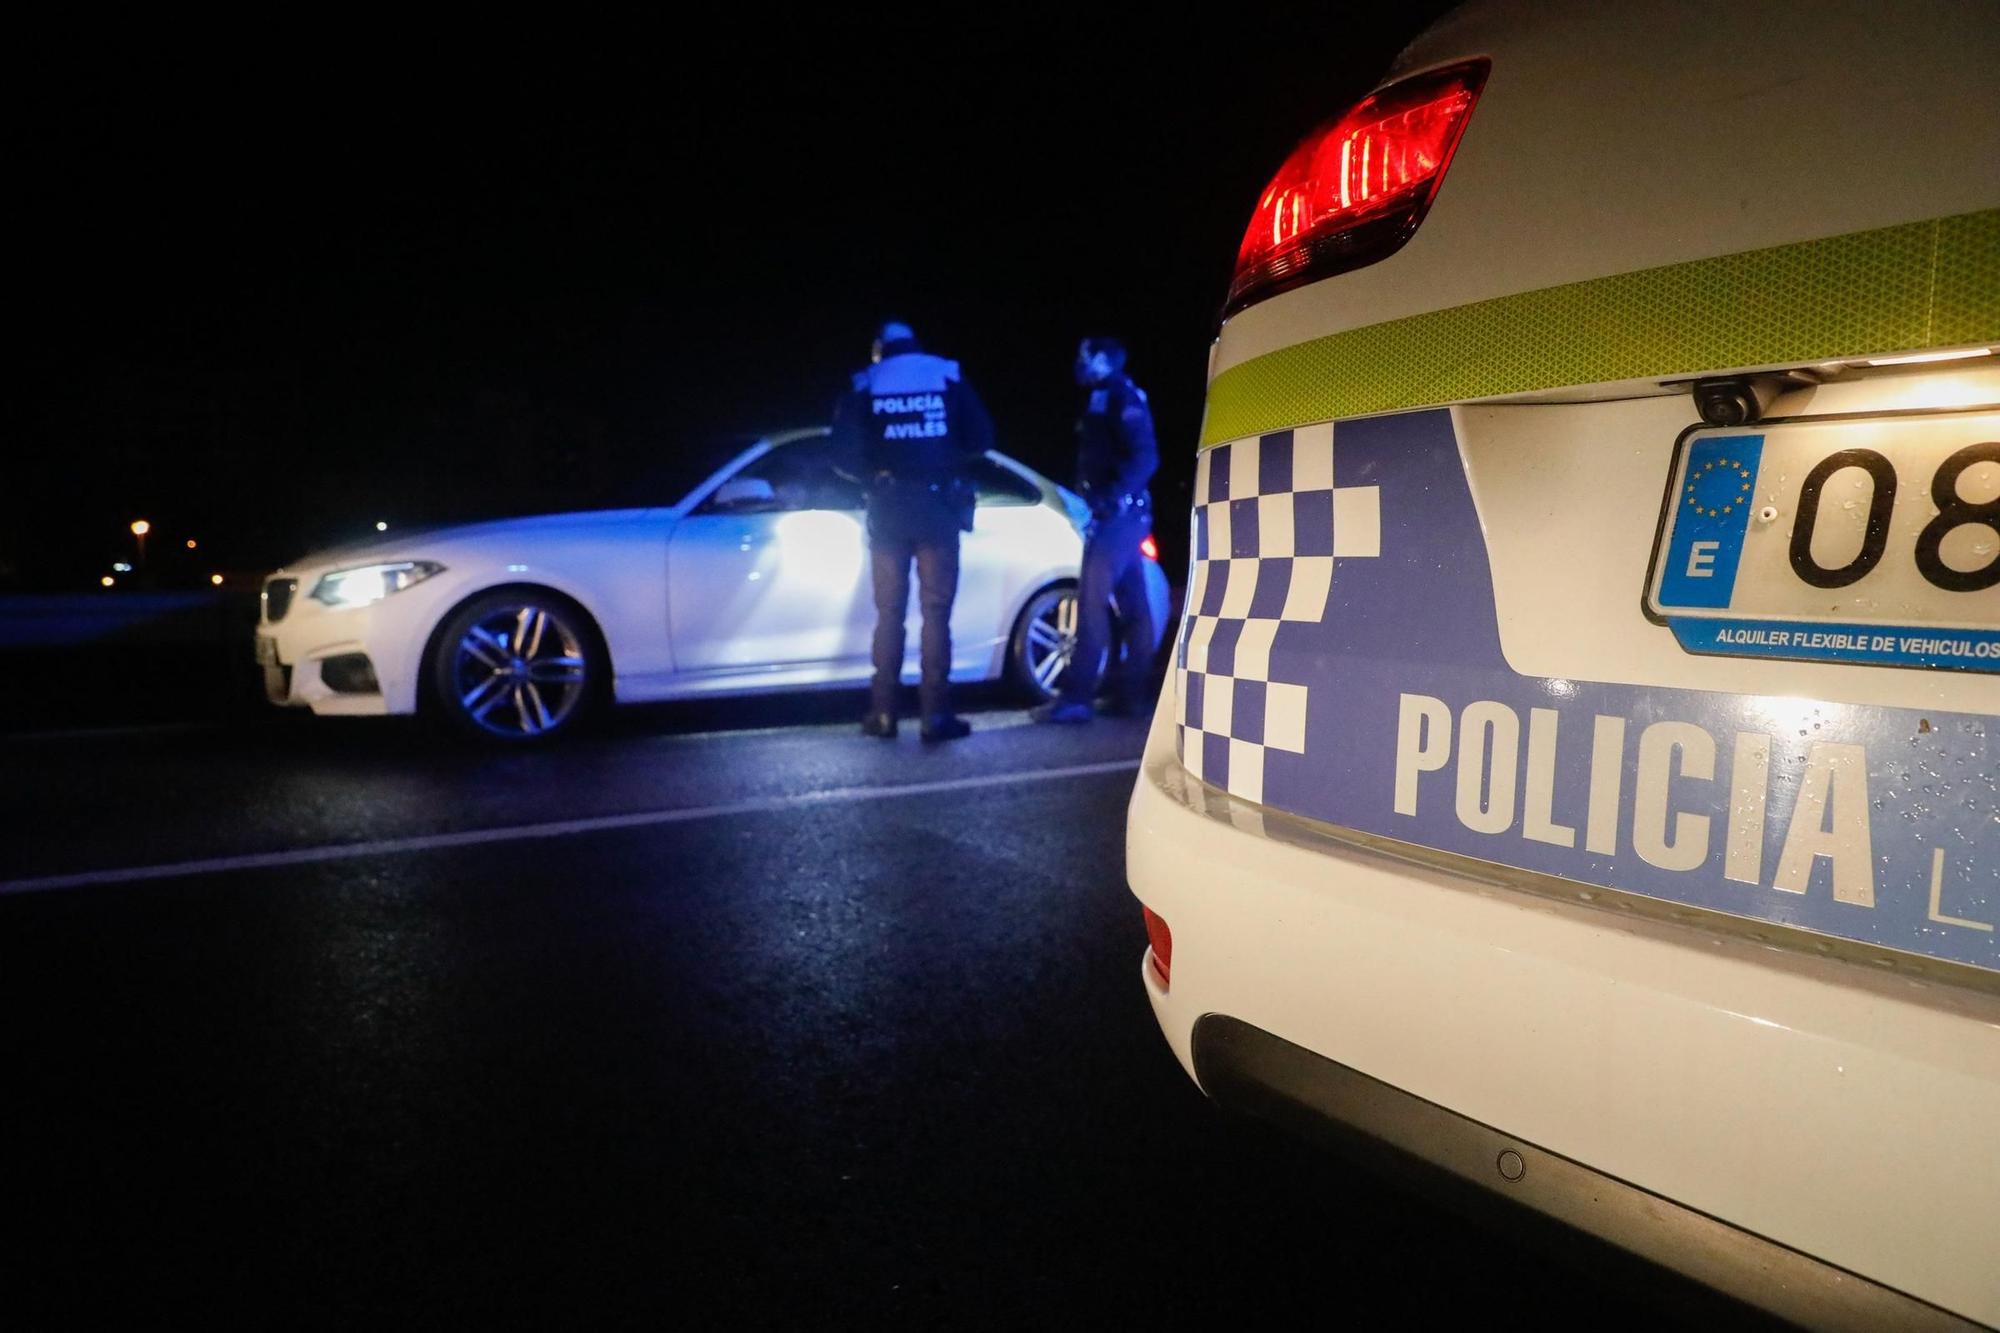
x,y
913,423
908,428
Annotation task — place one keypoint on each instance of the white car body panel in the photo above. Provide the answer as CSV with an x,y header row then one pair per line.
x,y
1675,132
1839,1100
689,602
772,592
768,588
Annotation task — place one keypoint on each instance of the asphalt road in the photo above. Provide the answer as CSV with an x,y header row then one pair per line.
x,y
693,1018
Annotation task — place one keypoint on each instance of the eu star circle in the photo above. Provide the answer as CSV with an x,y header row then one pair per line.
x,y
1717,486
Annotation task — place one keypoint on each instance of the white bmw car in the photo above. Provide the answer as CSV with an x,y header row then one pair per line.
x,y
1578,772
758,580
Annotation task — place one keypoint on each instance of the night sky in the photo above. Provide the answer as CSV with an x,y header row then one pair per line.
x,y
273,290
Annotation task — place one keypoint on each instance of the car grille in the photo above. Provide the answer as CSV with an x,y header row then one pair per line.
x,y
278,599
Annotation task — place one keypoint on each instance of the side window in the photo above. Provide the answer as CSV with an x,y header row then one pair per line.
x,y
997,485
800,476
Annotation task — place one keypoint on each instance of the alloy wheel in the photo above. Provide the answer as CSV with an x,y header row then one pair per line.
x,y
519,671
1048,641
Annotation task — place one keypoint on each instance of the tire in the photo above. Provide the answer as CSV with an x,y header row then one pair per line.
x,y
1044,640
486,689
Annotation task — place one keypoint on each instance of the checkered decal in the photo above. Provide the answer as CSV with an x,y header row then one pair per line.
x,y
1268,525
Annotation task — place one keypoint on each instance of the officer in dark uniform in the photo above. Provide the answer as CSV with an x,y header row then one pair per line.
x,y
906,431
1116,458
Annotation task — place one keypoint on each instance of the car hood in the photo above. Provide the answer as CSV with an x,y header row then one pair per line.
x,y
434,542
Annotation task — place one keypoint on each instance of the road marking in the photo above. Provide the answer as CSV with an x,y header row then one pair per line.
x,y
428,842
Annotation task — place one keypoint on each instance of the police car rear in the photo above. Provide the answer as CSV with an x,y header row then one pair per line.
x,y
1577,771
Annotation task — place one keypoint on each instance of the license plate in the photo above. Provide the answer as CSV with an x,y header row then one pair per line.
x,y
267,650
1873,540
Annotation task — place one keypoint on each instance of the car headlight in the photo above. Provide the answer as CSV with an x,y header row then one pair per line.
x,y
371,583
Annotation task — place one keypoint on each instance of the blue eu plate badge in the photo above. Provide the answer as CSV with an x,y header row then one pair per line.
x,y
1717,495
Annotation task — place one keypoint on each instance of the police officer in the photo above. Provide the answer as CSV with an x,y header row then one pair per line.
x,y
1116,458
906,430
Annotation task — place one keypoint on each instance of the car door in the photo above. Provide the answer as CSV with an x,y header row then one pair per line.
x,y
772,569
1011,524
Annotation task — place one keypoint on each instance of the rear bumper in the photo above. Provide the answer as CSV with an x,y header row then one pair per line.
x,y
1251,1071
1836,1110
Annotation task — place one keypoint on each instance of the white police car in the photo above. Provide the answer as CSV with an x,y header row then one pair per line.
x,y
1578,769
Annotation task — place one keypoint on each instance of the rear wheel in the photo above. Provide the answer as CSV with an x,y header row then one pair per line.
x,y
516,666
1044,643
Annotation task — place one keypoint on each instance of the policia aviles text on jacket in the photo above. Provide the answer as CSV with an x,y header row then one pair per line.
x,y
907,429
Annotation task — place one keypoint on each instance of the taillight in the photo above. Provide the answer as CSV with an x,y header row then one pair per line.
x,y
1161,940
1357,188
1148,547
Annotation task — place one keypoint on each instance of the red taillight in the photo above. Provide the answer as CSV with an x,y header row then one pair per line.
x,y
1356,189
1148,547
1161,941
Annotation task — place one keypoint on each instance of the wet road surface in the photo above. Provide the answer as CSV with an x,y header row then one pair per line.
x,y
689,1019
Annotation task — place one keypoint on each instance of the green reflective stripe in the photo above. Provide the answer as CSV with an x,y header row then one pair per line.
x,y
1922,284
1967,308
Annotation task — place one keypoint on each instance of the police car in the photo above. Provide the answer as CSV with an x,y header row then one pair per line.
x,y
1578,769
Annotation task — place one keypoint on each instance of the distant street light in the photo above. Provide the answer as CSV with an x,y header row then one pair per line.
x,y
216,579
380,526
120,567
190,543
140,527
108,581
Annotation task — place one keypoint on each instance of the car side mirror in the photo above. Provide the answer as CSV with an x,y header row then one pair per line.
x,y
745,493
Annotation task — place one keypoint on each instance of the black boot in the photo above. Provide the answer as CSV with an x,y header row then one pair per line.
x,y
946,727
882,726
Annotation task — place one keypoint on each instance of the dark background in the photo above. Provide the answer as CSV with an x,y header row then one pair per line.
x,y
277,287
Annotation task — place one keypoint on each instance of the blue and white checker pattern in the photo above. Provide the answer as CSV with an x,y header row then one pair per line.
x,y
1268,526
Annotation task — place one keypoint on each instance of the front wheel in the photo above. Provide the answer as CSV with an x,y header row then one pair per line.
x,y
516,666
1044,643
